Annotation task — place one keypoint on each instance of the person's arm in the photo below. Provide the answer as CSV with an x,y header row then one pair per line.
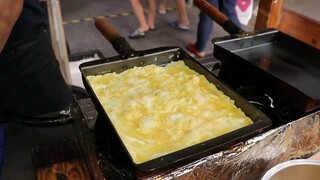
x,y
10,10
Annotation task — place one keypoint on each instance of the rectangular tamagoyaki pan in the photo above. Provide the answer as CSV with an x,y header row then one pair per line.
x,y
129,58
289,66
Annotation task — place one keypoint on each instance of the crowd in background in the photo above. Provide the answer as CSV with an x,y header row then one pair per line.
x,y
204,26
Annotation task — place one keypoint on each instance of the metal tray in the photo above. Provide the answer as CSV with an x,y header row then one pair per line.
x,y
292,66
161,57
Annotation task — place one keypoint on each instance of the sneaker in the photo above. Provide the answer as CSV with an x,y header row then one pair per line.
x,y
192,49
161,11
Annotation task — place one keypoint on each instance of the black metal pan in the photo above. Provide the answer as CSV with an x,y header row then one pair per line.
x,y
129,58
290,66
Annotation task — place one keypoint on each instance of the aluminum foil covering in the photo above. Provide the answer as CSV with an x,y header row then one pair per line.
x,y
251,160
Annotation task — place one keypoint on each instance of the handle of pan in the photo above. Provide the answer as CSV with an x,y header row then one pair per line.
x,y
118,42
218,17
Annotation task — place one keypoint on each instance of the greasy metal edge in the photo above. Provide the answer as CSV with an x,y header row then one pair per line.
x,y
256,33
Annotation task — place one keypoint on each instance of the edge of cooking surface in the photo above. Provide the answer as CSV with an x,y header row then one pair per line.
x,y
162,56
236,43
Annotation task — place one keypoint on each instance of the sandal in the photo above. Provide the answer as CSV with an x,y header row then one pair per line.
x,y
137,34
161,12
193,50
176,25
152,29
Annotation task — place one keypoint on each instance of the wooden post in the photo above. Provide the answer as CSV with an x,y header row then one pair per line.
x,y
58,38
269,14
272,15
301,27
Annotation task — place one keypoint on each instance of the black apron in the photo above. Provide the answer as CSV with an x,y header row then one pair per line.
x,y
31,83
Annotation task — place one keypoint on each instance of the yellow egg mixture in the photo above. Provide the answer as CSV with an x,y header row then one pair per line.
x,y
159,110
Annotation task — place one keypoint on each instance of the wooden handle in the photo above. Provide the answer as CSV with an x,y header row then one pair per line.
x,y
107,30
118,42
218,17
211,11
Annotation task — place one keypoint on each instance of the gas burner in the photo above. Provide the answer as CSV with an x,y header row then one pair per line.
x,y
267,101
261,100
256,95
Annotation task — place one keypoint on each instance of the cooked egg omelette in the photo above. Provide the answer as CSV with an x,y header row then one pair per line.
x,y
159,110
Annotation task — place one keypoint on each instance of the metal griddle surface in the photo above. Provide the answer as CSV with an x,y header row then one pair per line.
x,y
285,65
280,55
